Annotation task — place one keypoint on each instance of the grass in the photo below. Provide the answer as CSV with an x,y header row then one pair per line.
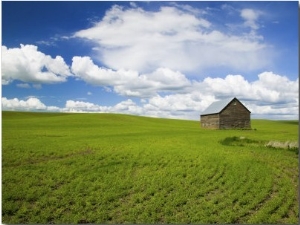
x,y
109,168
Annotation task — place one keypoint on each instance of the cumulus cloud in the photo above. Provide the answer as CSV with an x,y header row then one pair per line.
x,y
80,106
181,106
126,107
275,100
270,96
170,93
16,104
27,64
174,38
129,82
269,88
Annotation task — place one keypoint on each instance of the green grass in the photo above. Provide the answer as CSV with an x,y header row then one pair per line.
x,y
109,168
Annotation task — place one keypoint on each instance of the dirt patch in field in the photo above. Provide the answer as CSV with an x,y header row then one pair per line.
x,y
288,145
285,145
243,141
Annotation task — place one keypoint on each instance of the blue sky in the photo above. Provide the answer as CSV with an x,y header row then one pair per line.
x,y
161,59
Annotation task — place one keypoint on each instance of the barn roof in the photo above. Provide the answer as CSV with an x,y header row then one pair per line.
x,y
217,107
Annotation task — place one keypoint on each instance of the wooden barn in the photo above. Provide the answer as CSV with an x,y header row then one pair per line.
x,y
226,114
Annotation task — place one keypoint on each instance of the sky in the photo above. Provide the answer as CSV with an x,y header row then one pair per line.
x,y
160,59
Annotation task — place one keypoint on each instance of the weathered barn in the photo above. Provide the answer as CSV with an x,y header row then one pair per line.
x,y
226,114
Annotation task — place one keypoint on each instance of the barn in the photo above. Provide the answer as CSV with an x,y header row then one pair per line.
x,y
226,114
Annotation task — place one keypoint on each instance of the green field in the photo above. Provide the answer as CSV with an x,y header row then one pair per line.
x,y
110,168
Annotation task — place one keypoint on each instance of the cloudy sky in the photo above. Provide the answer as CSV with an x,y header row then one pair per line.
x,y
161,59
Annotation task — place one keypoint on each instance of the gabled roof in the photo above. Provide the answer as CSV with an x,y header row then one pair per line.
x,y
217,107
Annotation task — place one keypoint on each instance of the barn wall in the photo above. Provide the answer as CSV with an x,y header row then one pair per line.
x,y
235,115
210,121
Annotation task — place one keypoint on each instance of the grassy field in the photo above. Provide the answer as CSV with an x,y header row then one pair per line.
x,y
109,168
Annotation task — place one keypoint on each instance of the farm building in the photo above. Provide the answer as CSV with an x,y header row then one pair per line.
x,y
226,114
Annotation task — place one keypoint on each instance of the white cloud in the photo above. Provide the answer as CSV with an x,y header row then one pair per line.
x,y
189,9
172,37
265,99
16,104
277,82
171,94
147,54
27,64
160,80
128,107
84,68
270,96
37,86
53,108
129,82
107,89
26,85
250,16
270,88
31,104
181,106
23,85
80,106
133,4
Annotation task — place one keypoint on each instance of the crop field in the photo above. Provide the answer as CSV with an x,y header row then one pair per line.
x,y
111,168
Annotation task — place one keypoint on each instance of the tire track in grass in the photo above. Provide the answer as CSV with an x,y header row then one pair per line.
x,y
287,175
274,206
219,188
209,197
162,202
265,208
253,198
210,176
233,193
141,199
280,205
230,202
251,202
215,182
287,195
222,197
